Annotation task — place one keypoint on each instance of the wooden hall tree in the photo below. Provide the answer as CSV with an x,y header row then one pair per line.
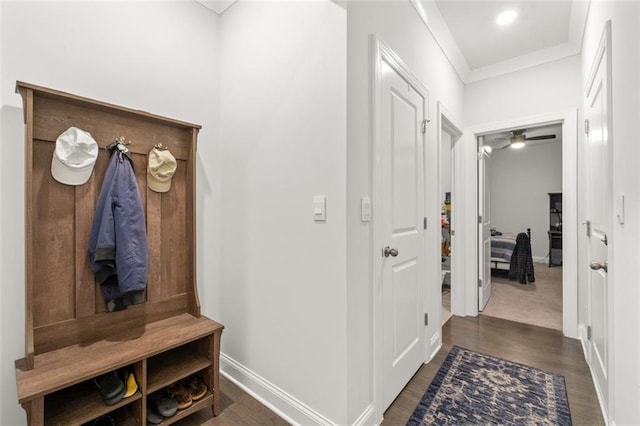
x,y
70,337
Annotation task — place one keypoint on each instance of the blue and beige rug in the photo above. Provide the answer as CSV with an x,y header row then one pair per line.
x,y
474,388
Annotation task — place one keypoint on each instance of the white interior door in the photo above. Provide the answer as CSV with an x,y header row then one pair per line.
x,y
484,225
598,203
403,259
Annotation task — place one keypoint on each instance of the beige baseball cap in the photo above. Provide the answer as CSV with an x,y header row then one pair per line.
x,y
74,156
160,169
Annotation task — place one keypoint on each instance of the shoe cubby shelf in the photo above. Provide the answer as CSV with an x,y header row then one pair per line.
x,y
80,404
162,353
163,369
71,337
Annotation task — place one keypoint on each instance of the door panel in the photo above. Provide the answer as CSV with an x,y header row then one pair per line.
x,y
484,231
405,287
598,204
401,163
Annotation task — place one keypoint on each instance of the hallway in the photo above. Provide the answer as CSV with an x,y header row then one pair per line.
x,y
535,346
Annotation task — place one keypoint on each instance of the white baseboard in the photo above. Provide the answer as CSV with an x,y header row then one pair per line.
x,y
538,259
367,417
436,344
277,400
582,335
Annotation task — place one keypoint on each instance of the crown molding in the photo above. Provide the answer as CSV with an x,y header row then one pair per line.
x,y
429,13
218,6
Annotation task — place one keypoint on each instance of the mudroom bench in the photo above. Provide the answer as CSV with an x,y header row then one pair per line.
x,y
59,390
76,343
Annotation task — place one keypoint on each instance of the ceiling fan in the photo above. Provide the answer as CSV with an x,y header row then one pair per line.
x,y
517,138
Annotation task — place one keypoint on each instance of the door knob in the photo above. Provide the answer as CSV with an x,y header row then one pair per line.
x,y
596,266
387,251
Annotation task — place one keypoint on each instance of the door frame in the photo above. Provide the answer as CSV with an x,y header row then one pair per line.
x,y
468,298
447,122
382,52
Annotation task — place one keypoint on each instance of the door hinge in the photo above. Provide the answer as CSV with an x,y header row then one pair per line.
x,y
424,126
588,227
426,319
479,283
588,332
586,126
424,224
479,219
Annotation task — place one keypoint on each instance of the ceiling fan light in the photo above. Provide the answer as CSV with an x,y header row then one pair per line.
x,y
517,141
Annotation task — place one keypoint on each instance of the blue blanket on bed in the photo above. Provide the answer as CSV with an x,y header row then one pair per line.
x,y
502,246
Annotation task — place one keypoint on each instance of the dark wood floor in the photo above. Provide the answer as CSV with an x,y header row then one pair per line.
x,y
527,344
238,408
535,346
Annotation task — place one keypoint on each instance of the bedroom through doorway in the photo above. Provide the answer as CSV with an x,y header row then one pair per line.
x,y
523,189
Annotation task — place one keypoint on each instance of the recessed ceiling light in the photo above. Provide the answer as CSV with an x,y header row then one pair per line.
x,y
506,17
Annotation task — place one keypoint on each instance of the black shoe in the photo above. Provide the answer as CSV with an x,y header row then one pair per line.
x,y
109,385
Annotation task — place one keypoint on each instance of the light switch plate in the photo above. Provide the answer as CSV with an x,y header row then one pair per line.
x,y
365,208
620,209
319,208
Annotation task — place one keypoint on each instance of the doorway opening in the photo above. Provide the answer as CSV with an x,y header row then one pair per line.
x,y
521,199
449,133
568,121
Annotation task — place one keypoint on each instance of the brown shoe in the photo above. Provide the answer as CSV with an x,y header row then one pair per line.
x,y
196,387
180,394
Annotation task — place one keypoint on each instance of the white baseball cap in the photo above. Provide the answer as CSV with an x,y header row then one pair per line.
x,y
74,157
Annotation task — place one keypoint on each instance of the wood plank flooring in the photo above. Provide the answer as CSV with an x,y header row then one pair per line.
x,y
535,346
238,408
527,344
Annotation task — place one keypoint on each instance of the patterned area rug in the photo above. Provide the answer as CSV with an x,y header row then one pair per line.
x,y
474,388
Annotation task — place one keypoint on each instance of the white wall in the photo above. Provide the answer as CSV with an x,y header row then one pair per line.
x,y
282,293
520,181
542,89
398,25
624,265
160,57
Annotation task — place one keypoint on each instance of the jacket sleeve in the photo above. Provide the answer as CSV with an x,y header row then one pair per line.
x,y
102,238
130,231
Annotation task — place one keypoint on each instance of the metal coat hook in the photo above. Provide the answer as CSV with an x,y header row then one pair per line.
x,y
161,147
122,144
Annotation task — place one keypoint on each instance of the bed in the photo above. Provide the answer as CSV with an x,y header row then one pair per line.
x,y
502,248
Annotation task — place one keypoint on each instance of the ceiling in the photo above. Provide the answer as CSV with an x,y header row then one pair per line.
x,y
539,25
501,139
478,48
544,31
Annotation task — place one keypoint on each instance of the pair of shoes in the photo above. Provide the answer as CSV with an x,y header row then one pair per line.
x,y
187,390
159,407
111,388
196,387
180,394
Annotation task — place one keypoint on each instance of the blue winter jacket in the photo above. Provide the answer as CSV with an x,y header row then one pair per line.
x,y
118,243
